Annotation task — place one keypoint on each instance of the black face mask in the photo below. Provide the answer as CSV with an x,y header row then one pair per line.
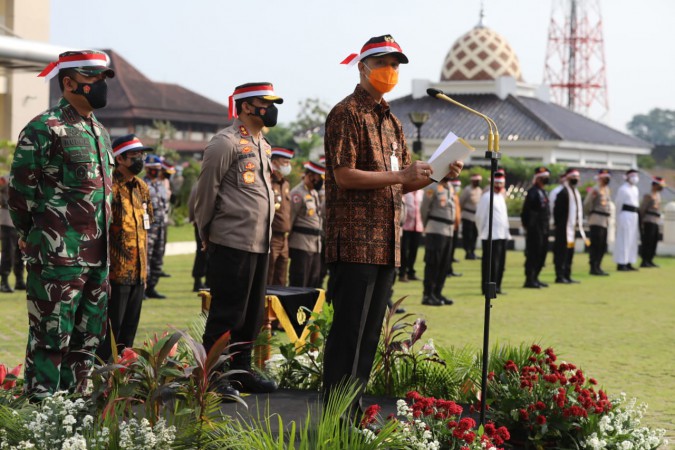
x,y
268,114
544,181
318,184
96,93
573,181
136,166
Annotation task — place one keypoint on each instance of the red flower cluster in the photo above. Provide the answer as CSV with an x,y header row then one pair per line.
x,y
370,415
8,384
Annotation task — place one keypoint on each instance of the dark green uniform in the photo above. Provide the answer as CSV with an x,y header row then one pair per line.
x,y
59,200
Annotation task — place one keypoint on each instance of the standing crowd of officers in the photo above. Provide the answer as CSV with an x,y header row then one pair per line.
x,y
92,233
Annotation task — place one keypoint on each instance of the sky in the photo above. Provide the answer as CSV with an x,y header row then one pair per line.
x,y
210,46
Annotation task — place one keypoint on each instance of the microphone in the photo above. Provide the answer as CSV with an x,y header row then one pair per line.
x,y
493,136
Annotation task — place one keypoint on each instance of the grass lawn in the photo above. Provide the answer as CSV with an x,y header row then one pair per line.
x,y
618,329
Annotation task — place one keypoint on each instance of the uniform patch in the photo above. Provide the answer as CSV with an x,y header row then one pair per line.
x,y
243,131
246,156
249,177
243,141
310,212
81,172
439,188
268,151
296,198
249,166
430,192
75,142
246,150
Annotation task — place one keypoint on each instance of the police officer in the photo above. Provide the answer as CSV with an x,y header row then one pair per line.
x,y
166,175
281,225
11,255
597,209
59,200
157,232
456,186
438,215
305,238
650,215
468,202
535,217
234,212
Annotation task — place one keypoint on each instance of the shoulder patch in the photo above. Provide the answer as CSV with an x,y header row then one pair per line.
x,y
297,198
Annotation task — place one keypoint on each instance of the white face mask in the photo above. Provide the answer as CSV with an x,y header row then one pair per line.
x,y
285,170
633,179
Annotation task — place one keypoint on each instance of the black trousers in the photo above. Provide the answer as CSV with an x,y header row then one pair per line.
x,y
359,297
436,259
201,258
536,247
237,279
10,258
498,263
305,268
469,236
453,246
124,313
650,239
410,242
562,255
598,246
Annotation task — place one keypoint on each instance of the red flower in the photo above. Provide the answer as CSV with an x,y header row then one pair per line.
x,y
127,358
540,405
510,366
536,349
370,415
9,384
541,420
593,381
523,414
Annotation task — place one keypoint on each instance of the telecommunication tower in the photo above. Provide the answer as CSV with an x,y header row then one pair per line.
x,y
575,58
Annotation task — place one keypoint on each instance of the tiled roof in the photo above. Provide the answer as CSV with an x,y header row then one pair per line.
x,y
527,118
132,95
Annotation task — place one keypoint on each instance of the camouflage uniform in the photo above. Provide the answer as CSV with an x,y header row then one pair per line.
x,y
157,231
59,200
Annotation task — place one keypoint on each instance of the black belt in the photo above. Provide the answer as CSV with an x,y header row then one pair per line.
x,y
472,211
653,213
600,213
441,219
310,231
629,208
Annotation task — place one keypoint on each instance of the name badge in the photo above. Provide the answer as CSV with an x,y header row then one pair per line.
x,y
394,163
146,217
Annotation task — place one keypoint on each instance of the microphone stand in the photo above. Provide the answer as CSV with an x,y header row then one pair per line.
x,y
490,288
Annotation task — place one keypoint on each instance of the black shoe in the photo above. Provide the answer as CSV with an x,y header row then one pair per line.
x,y
431,301
4,287
403,278
20,285
253,382
541,284
152,293
532,285
655,266
400,311
444,300
500,292
471,256
229,393
413,277
572,281
164,275
454,274
562,280
630,268
622,267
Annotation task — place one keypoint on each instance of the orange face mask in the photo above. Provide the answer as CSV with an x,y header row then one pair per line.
x,y
383,79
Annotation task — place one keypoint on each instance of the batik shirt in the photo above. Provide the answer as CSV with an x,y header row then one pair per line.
x,y
61,188
128,236
363,226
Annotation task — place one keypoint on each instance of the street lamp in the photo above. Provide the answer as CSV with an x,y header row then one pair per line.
x,y
418,119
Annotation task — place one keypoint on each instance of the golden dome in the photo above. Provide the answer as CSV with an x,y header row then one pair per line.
x,y
481,54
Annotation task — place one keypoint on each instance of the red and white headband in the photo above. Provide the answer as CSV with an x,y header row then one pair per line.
x,y
72,61
128,145
309,165
476,177
372,49
260,90
573,173
285,152
546,173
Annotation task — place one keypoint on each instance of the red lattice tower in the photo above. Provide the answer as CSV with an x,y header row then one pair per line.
x,y
575,57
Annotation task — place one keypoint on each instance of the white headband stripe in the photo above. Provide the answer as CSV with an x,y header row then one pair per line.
x,y
260,93
372,51
130,146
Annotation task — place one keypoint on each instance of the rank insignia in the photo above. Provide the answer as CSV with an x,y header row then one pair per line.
x,y
296,198
249,166
310,212
246,150
243,141
308,197
268,151
249,177
243,131
430,192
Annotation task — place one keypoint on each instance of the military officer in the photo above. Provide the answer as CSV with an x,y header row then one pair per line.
x,y
597,209
468,202
650,215
535,217
60,203
281,225
157,231
438,216
304,241
234,212
10,259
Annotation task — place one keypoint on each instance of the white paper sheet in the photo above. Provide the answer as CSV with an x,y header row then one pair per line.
x,y
451,149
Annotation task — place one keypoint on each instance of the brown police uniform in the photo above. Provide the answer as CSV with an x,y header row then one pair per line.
x,y
468,202
438,215
281,226
650,215
596,208
234,210
305,238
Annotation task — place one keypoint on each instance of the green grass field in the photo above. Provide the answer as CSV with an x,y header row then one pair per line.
x,y
618,329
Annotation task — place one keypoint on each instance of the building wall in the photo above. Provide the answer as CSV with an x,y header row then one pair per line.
x,y
25,95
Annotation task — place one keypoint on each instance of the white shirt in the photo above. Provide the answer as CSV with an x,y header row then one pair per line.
x,y
500,217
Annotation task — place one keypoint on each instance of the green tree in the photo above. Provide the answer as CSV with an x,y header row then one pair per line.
x,y
657,126
312,116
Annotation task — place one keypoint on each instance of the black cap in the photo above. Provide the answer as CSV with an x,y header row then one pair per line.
x,y
388,46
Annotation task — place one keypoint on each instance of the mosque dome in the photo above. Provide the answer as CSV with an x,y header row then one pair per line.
x,y
480,54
